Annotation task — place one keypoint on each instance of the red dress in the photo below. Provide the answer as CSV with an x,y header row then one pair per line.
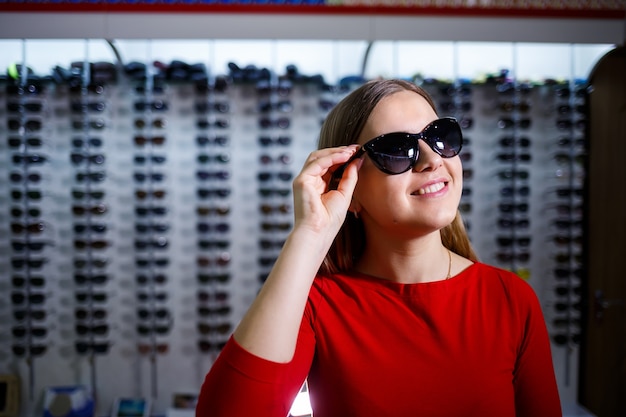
x,y
473,345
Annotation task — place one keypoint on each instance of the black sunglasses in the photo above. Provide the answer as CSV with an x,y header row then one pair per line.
x,y
397,152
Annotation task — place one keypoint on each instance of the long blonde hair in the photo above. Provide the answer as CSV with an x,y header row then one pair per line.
x,y
342,126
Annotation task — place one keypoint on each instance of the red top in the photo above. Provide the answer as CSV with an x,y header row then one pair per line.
x,y
473,345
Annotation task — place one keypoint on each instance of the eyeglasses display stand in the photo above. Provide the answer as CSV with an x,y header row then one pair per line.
x,y
142,208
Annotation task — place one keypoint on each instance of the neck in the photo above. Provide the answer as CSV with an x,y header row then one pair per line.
x,y
416,261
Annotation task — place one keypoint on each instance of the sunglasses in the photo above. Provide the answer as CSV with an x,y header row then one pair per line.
x,y
212,278
157,159
33,263
223,259
91,297
217,175
21,331
17,107
90,88
32,158
28,227
79,158
271,244
268,192
143,194
30,125
30,314
147,330
268,176
205,107
151,227
207,346
222,328
208,210
153,176
284,159
90,313
33,350
30,212
204,227
156,105
97,124
81,142
95,347
219,123
33,141
151,279
78,106
562,273
155,210
160,262
82,279
281,106
281,140
157,243
213,192
98,329
143,140
156,123
95,176
217,140
19,281
213,244
270,227
159,313
97,209
204,296
217,311
269,209
397,152
81,263
29,298
35,246
151,296
205,158
145,349
81,228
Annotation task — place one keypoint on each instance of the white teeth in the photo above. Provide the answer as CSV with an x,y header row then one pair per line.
x,y
431,188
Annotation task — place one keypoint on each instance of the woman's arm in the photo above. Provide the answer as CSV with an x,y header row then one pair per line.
x,y
270,327
536,391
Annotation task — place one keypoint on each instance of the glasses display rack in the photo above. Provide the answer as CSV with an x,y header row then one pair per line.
x,y
166,194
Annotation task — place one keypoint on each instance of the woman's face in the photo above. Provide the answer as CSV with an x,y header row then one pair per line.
x,y
419,201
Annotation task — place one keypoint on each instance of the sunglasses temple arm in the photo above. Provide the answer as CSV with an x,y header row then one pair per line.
x,y
338,174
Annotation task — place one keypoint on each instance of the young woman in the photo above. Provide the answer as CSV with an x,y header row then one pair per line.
x,y
377,297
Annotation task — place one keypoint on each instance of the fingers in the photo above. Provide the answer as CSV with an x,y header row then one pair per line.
x,y
349,175
321,161
314,206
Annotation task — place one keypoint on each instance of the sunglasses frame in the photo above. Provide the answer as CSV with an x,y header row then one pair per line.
x,y
369,147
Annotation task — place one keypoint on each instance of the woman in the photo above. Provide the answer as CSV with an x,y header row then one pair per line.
x,y
377,297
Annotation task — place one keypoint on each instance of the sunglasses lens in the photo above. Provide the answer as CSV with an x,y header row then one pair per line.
x,y
444,137
393,153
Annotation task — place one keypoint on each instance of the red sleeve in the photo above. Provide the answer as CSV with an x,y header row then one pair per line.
x,y
240,383
536,392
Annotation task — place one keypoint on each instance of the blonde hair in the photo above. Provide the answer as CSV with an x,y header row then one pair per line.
x,y
342,126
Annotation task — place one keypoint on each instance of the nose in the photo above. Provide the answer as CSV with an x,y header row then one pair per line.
x,y
427,160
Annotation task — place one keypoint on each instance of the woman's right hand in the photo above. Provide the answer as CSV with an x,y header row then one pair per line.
x,y
315,206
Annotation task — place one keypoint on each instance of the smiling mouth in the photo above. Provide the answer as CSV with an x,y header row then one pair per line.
x,y
431,189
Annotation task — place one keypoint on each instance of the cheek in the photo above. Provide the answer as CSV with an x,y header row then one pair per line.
x,y
455,168
370,186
